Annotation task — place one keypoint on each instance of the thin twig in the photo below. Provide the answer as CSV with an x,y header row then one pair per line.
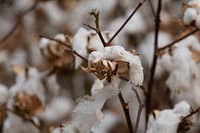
x,y
63,43
153,66
126,112
96,13
181,38
124,24
17,23
141,106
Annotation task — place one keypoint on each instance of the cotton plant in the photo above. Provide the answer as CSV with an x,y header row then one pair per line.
x,y
110,67
170,120
192,13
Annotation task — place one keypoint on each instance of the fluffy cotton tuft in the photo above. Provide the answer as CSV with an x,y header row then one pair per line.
x,y
87,113
166,121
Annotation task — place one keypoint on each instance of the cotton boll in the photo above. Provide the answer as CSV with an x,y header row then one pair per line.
x,y
87,113
166,121
60,106
80,45
189,16
182,108
176,82
3,94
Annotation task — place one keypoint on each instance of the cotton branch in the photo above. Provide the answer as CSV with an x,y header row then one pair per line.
x,y
17,23
153,66
141,106
63,43
96,13
181,38
97,29
125,107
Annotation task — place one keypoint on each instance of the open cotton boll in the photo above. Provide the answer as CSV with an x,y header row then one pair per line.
x,y
189,16
167,121
127,62
87,113
29,82
3,94
181,70
80,43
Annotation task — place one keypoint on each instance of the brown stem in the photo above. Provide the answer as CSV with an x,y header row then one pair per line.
x,y
141,106
124,24
153,66
181,38
126,112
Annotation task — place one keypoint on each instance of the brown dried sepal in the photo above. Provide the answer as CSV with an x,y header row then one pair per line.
x,y
3,113
27,104
106,69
